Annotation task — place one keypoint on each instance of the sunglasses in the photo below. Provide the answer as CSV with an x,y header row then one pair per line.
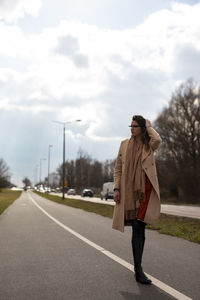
x,y
135,126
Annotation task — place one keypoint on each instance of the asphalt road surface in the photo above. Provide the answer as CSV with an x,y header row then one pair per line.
x,y
189,211
51,251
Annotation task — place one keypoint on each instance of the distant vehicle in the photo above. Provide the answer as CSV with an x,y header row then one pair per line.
x,y
87,193
47,189
71,192
25,188
107,191
41,189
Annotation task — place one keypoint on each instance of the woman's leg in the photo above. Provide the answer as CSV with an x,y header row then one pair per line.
x,y
138,240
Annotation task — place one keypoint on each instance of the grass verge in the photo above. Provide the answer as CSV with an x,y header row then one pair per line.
x,y
101,209
186,228
7,197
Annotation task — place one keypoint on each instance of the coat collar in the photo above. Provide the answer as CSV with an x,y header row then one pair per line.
x,y
145,152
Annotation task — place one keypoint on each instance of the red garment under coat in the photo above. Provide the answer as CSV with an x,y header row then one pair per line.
x,y
143,205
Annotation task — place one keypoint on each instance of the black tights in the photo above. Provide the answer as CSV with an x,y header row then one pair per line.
x,y
138,239
138,228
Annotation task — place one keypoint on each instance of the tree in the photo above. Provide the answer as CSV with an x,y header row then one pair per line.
x,y
26,181
179,154
69,173
85,172
95,174
82,169
4,175
108,170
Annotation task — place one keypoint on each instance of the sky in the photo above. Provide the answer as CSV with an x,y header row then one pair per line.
x,y
98,61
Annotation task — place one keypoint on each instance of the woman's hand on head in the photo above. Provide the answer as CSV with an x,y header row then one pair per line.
x,y
117,196
148,123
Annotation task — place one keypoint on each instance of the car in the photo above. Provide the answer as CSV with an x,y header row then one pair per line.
x,y
107,191
47,189
87,193
71,192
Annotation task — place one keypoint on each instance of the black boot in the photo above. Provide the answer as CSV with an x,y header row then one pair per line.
x,y
138,240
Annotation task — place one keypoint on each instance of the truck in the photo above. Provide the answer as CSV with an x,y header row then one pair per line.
x,y
107,191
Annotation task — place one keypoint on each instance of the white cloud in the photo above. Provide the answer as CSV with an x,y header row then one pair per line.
x,y
68,46
73,70
11,11
99,75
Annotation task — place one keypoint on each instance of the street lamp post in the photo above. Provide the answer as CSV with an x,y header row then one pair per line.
x,y
63,179
63,173
36,174
41,159
50,146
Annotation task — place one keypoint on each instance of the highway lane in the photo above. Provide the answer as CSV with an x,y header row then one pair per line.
x,y
41,260
189,211
181,210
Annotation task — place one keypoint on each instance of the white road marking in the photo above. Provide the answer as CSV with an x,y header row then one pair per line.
x,y
169,290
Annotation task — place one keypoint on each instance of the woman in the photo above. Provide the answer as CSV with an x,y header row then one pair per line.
x,y
136,189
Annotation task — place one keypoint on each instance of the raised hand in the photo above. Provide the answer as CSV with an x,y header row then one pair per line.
x,y
148,123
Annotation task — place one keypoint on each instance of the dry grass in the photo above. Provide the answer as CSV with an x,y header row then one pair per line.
x,y
186,228
182,227
101,209
7,197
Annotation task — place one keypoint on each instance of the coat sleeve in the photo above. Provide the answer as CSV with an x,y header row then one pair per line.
x,y
118,169
155,138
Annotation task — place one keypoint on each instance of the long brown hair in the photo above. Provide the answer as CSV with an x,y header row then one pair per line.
x,y
142,123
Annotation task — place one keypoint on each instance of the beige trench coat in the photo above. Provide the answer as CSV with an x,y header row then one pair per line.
x,y
148,165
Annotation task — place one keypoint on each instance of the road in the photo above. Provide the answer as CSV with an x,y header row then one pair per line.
x,y
51,251
177,210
